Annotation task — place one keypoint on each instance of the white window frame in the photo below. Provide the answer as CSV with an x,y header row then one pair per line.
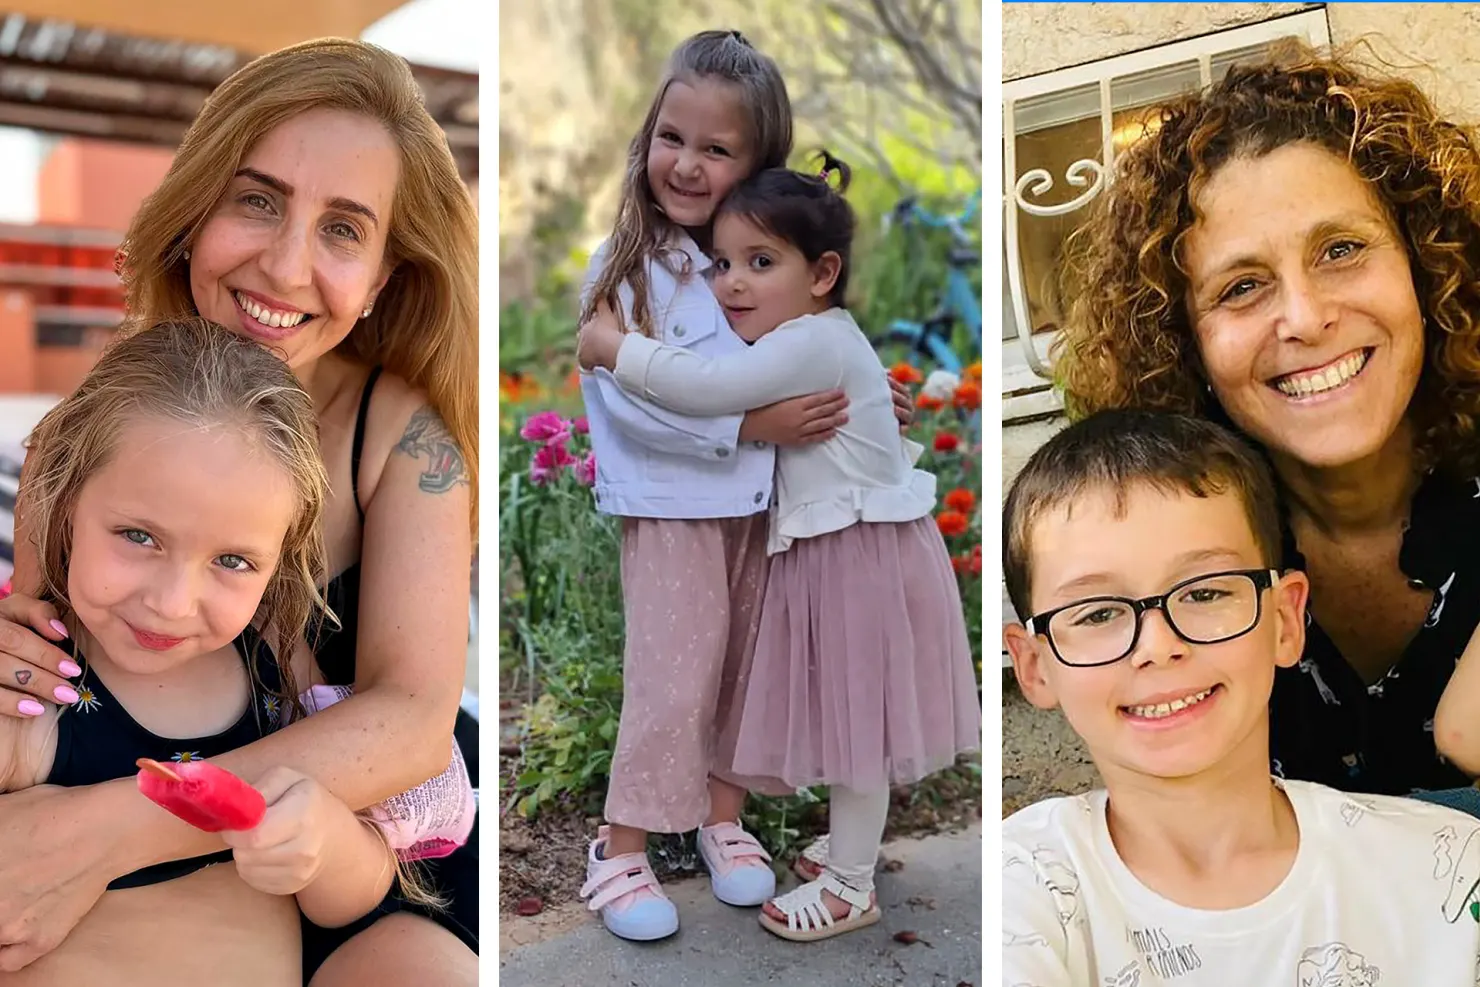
x,y
1026,391
1027,394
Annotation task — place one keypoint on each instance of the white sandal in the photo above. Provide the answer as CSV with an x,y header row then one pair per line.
x,y
807,915
816,856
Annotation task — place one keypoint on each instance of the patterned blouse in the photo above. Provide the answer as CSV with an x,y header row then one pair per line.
x,y
1328,726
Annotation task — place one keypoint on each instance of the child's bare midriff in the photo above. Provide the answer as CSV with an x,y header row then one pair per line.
x,y
205,928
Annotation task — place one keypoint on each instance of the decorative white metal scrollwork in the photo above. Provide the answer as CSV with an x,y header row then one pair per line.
x,y
1042,182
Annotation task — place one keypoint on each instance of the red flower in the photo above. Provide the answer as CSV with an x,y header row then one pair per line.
x,y
546,428
549,462
960,564
976,559
580,426
585,470
906,374
968,395
946,442
952,523
962,500
927,402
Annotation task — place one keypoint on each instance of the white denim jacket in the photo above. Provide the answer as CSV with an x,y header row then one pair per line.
x,y
656,463
864,473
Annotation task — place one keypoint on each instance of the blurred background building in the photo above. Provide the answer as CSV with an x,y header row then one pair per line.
x,y
94,98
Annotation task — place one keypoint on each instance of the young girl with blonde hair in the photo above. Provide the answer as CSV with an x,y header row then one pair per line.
x,y
182,495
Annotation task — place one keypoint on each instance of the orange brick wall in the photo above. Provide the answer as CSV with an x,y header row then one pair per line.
x,y
88,183
17,342
98,183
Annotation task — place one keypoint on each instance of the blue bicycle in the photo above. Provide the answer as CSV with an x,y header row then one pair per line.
x,y
960,301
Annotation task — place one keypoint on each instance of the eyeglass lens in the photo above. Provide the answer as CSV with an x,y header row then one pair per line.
x,y
1203,612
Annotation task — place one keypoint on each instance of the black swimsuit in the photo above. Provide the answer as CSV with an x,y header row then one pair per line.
x,y
98,741
454,876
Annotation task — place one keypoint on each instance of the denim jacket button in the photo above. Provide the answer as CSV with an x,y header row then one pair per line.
x,y
759,496
678,331
722,452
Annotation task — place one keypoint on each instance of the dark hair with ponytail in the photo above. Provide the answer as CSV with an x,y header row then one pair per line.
x,y
804,210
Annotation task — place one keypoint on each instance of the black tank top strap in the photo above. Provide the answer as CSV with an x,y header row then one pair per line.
x,y
359,444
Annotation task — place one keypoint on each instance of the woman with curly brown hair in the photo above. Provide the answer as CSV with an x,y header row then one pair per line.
x,y
1293,252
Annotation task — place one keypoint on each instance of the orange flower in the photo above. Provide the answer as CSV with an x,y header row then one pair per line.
x,y
952,523
573,382
926,402
974,372
946,442
968,395
906,374
961,500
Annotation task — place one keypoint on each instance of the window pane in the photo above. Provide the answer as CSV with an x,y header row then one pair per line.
x,y
1053,132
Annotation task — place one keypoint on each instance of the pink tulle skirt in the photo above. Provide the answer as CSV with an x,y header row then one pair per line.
x,y
862,674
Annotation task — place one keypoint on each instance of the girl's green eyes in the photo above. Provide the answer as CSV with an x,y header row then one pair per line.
x,y
231,563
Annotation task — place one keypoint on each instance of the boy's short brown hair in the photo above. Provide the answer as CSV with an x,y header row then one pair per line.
x,y
1119,449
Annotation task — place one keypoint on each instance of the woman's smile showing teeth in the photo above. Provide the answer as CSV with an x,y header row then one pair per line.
x,y
1320,380
266,317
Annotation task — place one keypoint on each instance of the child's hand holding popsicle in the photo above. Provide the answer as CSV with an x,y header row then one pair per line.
x,y
288,834
286,851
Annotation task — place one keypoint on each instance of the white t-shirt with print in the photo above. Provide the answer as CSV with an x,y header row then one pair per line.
x,y
1383,891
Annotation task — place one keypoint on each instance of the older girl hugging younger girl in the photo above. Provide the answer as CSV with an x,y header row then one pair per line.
x,y
862,674
179,496
692,490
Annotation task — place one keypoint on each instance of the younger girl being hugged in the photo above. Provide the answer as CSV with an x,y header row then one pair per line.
x,y
862,675
181,493
692,491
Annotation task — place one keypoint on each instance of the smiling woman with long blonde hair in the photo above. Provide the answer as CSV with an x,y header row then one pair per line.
x,y
314,207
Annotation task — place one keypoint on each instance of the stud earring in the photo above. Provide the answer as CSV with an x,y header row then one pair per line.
x,y
368,309
187,255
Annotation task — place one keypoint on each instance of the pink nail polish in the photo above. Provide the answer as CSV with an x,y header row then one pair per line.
x,y
65,694
59,627
69,668
30,707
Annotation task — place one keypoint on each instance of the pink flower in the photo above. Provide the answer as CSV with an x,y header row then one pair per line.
x,y
549,461
585,470
546,427
580,426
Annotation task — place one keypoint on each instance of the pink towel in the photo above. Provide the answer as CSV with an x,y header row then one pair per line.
x,y
431,820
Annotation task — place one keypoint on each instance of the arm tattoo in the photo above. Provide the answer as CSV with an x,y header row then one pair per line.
x,y
426,435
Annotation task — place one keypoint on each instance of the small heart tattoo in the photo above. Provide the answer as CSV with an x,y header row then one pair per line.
x,y
23,676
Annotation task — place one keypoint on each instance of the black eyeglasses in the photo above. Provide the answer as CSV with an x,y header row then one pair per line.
x,y
1210,609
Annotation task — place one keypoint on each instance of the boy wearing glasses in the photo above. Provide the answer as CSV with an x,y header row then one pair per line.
x,y
1145,548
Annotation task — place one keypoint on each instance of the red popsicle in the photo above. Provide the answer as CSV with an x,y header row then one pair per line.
x,y
205,796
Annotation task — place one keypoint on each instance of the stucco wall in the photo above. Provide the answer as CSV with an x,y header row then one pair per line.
x,y
1436,44
1041,37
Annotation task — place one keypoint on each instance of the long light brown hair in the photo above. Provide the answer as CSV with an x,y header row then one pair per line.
x,y
1129,340
424,326
198,373
641,230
